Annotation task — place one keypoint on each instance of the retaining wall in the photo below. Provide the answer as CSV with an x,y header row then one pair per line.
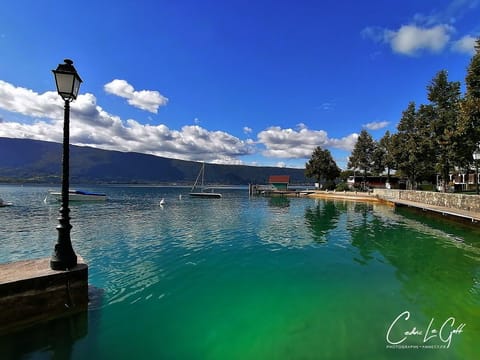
x,y
30,292
455,201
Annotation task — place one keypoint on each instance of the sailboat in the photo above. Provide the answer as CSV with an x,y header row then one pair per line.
x,y
203,193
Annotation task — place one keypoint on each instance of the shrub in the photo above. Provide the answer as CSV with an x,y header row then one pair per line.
x,y
343,186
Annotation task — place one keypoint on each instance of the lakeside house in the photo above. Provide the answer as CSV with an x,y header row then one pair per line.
x,y
379,182
279,182
457,182
463,181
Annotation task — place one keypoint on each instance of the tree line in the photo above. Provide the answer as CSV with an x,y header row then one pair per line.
x,y
433,138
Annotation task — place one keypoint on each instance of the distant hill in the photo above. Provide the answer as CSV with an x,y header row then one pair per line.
x,y
25,160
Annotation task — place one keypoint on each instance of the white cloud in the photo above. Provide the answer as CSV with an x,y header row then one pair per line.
x,y
465,45
451,14
411,39
289,143
144,99
247,130
346,143
327,105
92,126
374,33
376,125
427,33
28,102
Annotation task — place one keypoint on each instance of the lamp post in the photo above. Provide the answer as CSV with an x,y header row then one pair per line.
x,y
68,83
476,157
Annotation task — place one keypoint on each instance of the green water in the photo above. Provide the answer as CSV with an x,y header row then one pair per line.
x,y
252,278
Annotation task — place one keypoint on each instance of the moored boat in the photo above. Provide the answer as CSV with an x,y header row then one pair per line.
x,y
206,194
3,203
80,195
202,192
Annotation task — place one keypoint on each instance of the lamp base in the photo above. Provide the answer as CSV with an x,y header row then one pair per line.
x,y
61,261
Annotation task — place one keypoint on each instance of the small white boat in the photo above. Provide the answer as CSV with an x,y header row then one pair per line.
x,y
4,204
203,193
206,194
80,195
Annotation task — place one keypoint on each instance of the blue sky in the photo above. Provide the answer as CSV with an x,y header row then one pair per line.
x,y
237,82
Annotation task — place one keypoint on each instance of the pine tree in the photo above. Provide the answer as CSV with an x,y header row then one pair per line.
x,y
322,166
387,146
469,124
404,145
362,156
472,79
445,98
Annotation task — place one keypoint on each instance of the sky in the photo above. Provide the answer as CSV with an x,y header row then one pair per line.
x,y
259,82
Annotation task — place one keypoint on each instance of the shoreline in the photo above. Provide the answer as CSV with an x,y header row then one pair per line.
x,y
347,195
445,211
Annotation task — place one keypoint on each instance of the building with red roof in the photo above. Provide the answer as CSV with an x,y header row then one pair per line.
x,y
280,182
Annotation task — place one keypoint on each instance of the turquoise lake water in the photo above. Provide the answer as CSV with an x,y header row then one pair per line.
x,y
251,278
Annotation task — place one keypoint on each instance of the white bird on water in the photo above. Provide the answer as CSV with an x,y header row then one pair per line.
x,y
162,202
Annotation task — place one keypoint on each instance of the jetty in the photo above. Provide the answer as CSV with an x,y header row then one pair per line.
x,y
34,293
278,185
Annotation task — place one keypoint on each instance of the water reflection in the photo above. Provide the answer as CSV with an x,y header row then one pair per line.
x,y
54,339
279,201
439,275
362,229
322,219
193,272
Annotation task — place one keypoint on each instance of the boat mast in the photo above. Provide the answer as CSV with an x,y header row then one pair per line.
x,y
202,172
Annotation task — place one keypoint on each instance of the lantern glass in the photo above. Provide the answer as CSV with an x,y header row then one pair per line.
x,y
67,80
76,86
64,84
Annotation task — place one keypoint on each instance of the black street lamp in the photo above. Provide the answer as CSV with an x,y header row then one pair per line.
x,y
476,157
68,83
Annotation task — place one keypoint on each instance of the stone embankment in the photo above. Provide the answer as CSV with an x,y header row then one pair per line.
x,y
460,206
447,200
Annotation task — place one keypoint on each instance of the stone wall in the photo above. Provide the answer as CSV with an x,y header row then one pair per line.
x,y
34,293
456,201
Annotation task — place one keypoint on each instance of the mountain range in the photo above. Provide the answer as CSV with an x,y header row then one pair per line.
x,y
35,161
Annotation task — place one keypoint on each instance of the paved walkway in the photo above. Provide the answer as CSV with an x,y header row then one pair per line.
x,y
459,213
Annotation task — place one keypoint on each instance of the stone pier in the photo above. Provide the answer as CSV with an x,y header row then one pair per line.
x,y
31,292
